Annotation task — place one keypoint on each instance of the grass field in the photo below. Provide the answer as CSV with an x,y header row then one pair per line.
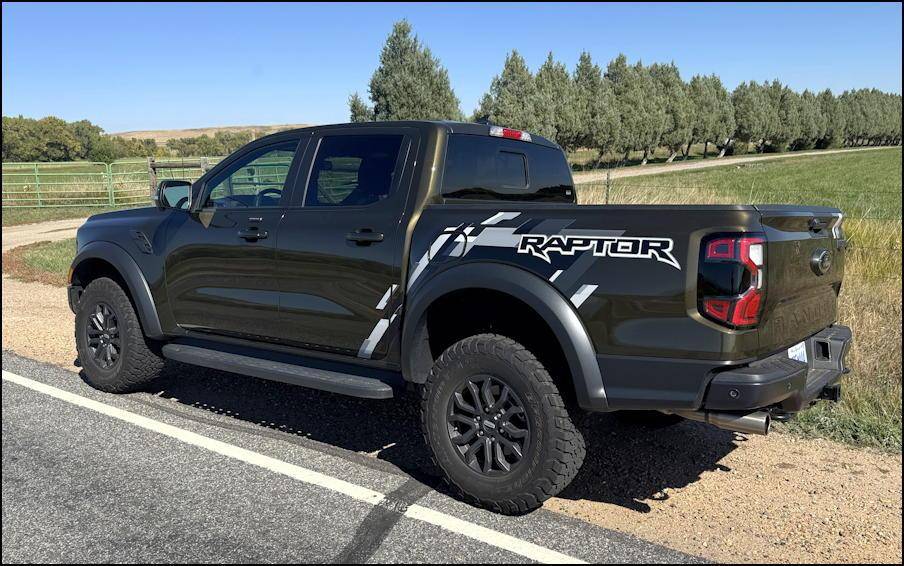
x,y
867,187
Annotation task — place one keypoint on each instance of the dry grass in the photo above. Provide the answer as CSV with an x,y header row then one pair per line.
x,y
163,136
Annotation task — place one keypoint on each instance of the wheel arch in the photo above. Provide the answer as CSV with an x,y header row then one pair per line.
x,y
106,259
506,282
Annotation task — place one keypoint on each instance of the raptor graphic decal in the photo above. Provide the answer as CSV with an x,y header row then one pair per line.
x,y
541,245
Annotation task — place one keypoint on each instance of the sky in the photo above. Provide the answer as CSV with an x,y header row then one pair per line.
x,y
137,67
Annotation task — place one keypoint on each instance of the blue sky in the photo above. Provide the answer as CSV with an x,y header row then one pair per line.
x,y
132,66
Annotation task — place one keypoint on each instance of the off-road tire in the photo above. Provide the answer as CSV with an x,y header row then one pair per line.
x,y
139,361
556,450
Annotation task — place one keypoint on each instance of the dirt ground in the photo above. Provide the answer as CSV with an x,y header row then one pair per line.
x,y
724,496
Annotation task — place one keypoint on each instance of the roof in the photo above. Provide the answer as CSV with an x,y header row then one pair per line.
x,y
469,128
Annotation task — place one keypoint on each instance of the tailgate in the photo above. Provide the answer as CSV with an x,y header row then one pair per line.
x,y
805,250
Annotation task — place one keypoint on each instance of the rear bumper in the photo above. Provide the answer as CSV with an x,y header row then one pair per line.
x,y
782,383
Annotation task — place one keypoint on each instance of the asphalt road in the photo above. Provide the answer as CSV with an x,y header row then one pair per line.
x,y
174,476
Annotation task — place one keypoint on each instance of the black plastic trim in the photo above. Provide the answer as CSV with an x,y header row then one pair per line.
x,y
780,381
134,278
537,293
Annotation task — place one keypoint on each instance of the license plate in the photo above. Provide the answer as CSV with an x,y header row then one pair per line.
x,y
798,352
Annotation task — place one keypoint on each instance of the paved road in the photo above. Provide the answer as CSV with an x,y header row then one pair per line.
x,y
92,477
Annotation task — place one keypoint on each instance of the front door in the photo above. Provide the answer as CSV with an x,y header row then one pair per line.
x,y
221,262
339,254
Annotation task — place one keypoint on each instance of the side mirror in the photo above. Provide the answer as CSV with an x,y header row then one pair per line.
x,y
173,193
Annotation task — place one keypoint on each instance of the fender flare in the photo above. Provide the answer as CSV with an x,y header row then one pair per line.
x,y
532,290
138,287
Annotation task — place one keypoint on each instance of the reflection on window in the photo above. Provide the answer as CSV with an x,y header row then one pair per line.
x,y
257,180
353,170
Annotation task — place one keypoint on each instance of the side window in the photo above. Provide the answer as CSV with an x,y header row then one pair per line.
x,y
255,180
353,170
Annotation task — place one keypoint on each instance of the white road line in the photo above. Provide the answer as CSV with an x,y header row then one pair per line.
x,y
448,522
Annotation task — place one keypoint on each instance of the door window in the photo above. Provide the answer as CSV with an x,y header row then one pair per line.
x,y
255,180
353,170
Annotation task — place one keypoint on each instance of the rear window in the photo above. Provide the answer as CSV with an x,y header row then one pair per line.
x,y
483,167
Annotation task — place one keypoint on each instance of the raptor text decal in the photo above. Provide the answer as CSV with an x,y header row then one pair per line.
x,y
541,245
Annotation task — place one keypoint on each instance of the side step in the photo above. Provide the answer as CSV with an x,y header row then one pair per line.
x,y
336,382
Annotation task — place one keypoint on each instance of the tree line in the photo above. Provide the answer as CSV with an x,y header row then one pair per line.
x,y
54,139
629,107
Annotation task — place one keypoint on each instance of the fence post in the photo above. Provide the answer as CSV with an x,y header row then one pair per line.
x,y
152,176
38,186
109,179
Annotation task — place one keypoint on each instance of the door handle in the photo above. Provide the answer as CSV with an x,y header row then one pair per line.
x,y
364,237
253,235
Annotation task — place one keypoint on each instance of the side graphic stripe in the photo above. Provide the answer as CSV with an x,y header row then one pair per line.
x,y
555,275
500,217
367,347
582,293
382,304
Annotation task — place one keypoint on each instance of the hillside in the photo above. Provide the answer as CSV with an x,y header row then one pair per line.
x,y
163,136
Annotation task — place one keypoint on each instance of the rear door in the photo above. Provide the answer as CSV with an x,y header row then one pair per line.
x,y
340,250
805,265
221,257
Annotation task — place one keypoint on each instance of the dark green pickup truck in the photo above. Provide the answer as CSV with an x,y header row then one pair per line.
x,y
452,257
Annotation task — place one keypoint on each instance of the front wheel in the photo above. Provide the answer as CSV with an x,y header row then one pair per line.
x,y
114,354
497,425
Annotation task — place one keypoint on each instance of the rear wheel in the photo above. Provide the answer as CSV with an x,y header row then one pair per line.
x,y
497,425
114,354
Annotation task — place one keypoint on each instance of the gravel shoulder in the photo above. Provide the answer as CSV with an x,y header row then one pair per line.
x,y
697,489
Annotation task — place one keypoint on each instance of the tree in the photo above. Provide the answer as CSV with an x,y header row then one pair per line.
x,y
555,102
409,84
679,110
784,116
833,132
359,110
594,110
752,114
511,100
641,106
723,124
812,123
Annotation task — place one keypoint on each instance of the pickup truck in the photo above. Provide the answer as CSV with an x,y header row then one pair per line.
x,y
364,259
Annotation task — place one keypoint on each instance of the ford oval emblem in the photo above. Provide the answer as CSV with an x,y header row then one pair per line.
x,y
821,262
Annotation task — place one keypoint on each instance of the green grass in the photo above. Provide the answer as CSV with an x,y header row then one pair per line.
x,y
17,216
51,257
867,187
44,262
862,184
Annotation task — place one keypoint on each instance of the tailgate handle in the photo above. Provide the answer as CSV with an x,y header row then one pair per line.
x,y
815,224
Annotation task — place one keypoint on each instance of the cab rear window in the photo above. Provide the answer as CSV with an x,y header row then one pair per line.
x,y
483,167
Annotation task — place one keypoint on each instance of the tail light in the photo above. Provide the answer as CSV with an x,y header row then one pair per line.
x,y
500,132
731,279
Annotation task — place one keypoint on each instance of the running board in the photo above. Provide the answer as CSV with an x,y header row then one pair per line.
x,y
336,382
